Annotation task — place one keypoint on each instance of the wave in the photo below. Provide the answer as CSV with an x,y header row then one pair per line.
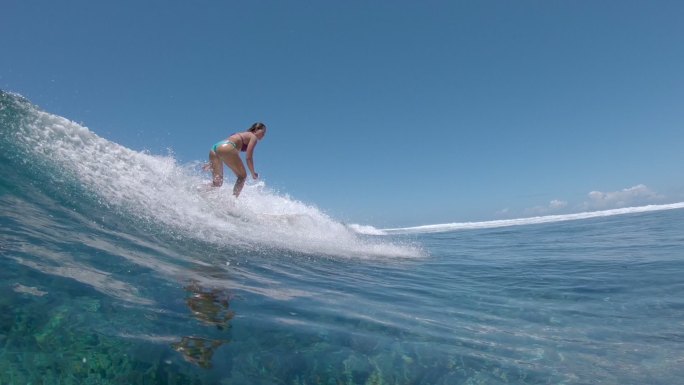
x,y
157,191
446,227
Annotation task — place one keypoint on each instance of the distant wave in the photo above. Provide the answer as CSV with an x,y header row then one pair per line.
x,y
446,227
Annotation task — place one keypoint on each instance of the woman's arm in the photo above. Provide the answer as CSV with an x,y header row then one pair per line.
x,y
250,154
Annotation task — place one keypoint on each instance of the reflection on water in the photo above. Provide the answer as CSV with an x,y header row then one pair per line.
x,y
211,307
198,350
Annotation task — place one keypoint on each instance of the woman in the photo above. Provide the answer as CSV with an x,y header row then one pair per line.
x,y
228,152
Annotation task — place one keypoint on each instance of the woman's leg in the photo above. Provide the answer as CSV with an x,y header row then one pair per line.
x,y
216,169
232,160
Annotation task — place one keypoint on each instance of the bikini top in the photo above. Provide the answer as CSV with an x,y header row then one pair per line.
x,y
244,145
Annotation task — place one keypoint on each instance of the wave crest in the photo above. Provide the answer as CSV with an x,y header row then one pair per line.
x,y
156,189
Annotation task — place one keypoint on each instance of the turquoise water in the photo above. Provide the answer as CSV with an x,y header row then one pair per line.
x,y
118,268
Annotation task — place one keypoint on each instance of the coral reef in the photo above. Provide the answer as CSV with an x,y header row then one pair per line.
x,y
52,342
62,338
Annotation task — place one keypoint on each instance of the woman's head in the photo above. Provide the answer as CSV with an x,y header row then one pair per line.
x,y
258,129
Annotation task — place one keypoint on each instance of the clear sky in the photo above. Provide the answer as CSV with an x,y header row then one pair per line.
x,y
390,113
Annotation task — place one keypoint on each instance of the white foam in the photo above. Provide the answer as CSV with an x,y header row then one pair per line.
x,y
157,189
366,229
438,228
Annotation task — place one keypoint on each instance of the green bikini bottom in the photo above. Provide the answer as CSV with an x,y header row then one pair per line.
x,y
221,143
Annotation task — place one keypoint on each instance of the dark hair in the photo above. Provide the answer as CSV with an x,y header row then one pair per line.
x,y
257,126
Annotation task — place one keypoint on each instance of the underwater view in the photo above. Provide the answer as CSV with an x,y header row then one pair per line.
x,y
123,267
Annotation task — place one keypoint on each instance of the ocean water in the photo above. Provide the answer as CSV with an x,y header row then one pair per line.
x,y
121,267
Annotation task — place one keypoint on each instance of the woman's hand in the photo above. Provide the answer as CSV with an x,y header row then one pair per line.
x,y
255,176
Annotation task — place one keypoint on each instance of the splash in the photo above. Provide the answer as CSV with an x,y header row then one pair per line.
x,y
158,190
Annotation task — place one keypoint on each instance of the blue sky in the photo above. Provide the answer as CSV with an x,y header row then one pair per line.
x,y
390,113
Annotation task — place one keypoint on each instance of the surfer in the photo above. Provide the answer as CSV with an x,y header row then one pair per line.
x,y
228,152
